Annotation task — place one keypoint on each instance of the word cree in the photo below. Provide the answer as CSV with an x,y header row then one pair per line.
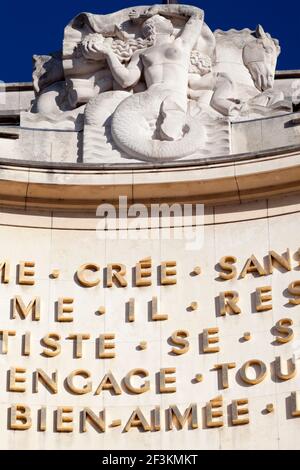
x,y
87,274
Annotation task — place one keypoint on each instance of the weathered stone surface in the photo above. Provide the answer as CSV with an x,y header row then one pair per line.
x,y
83,144
151,84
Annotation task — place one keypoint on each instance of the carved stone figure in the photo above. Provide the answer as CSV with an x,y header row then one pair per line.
x,y
145,123
154,119
245,67
154,83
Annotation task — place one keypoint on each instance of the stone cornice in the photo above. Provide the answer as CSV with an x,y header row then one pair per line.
x,y
76,187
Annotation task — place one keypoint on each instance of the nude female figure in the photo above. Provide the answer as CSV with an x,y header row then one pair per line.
x,y
164,65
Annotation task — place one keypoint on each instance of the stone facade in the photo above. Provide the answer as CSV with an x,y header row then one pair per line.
x,y
169,298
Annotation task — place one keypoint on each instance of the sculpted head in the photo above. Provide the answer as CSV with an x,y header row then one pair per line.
x,y
260,57
157,24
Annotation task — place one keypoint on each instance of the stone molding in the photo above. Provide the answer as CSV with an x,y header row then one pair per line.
x,y
80,187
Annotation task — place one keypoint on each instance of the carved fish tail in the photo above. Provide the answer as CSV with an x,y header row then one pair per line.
x,y
132,133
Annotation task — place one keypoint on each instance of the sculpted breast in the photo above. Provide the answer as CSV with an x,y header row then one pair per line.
x,y
173,53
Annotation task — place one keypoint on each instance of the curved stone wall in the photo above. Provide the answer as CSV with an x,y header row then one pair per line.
x,y
58,243
172,297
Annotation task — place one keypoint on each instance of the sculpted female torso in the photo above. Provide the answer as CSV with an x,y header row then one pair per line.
x,y
167,64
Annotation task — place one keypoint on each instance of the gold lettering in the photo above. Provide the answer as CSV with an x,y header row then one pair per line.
x,y
62,418
19,418
228,302
131,310
226,263
109,383
190,414
51,343
207,340
64,305
295,399
179,338
212,413
154,309
137,419
237,412
78,339
23,311
261,306
79,390
284,261
224,368
156,419
167,273
26,275
51,383
282,326
26,344
260,374
103,346
116,271
290,367
42,426
252,265
5,335
164,380
5,271
143,270
143,388
81,275
14,379
294,289
98,421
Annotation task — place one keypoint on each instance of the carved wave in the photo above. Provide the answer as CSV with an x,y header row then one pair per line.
x,y
64,121
99,145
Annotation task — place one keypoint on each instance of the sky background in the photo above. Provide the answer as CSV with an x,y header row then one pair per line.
x,y
30,27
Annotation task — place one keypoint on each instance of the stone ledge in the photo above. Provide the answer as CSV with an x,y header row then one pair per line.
x,y
76,187
107,167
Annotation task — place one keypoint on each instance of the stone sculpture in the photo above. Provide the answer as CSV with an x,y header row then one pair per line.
x,y
155,84
245,68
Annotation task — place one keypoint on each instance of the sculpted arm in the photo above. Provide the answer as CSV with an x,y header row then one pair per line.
x,y
125,76
192,29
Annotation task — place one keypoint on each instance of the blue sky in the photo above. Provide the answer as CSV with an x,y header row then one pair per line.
x,y
30,27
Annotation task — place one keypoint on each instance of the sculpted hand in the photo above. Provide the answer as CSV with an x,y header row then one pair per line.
x,y
95,49
154,10
120,33
147,13
168,10
189,11
174,10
